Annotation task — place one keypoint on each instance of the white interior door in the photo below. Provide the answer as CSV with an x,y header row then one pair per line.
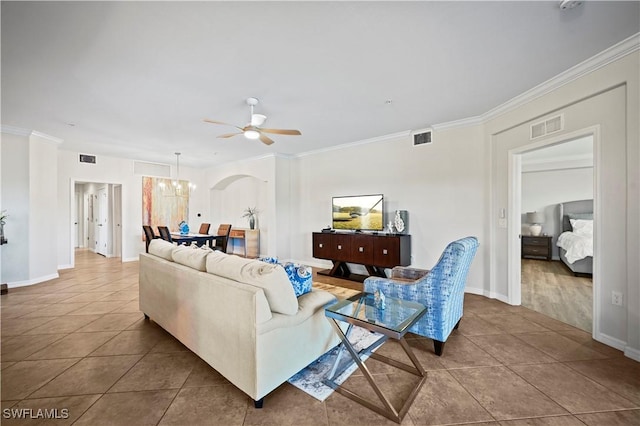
x,y
102,224
117,220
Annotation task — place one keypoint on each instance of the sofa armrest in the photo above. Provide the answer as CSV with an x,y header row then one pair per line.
x,y
403,273
308,305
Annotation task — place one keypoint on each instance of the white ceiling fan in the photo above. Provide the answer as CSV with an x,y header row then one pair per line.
x,y
253,130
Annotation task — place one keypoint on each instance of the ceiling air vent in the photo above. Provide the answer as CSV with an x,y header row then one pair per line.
x,y
548,126
422,137
84,158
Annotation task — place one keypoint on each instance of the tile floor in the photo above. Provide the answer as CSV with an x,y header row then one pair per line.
x,y
80,343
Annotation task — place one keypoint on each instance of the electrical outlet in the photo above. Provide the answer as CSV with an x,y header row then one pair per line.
x,y
616,298
502,223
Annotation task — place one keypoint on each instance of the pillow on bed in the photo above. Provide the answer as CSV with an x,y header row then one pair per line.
x,y
585,216
582,227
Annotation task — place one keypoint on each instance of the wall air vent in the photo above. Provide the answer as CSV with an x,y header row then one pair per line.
x,y
151,169
84,158
548,126
422,137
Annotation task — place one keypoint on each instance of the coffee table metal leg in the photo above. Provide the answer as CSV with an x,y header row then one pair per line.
x,y
390,412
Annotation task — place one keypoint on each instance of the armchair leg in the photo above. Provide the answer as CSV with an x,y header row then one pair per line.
x,y
258,403
438,346
457,324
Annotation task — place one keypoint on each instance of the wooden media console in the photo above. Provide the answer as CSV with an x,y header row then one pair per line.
x,y
375,251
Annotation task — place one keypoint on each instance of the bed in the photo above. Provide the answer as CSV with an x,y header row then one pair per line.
x,y
576,248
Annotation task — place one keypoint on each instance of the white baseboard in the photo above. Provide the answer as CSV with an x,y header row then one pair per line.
x,y
486,293
32,281
68,266
611,341
632,353
130,259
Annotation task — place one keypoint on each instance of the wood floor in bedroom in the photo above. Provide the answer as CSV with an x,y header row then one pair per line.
x,y
550,288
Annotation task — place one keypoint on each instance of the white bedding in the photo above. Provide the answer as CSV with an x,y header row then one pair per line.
x,y
577,246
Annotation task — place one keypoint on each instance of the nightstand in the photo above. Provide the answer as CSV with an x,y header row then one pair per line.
x,y
536,247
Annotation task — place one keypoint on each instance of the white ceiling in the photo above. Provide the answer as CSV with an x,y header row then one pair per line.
x,y
136,79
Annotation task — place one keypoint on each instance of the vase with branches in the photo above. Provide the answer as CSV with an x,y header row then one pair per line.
x,y
250,214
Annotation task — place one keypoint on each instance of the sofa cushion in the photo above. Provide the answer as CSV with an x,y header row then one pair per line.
x,y
271,278
193,258
161,248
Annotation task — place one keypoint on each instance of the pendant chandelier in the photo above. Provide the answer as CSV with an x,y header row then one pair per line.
x,y
177,188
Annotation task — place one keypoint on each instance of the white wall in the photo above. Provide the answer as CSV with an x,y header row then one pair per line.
x,y
15,199
43,204
543,190
607,98
113,170
442,186
258,187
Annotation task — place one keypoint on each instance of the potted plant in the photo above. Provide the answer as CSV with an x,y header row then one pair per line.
x,y
3,216
250,213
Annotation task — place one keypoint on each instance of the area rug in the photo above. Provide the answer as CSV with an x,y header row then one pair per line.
x,y
310,379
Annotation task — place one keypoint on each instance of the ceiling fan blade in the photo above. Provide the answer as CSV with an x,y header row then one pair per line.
x,y
265,139
281,131
228,135
220,122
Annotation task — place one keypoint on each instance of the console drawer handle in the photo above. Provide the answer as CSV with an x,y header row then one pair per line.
x,y
339,247
384,251
320,245
361,249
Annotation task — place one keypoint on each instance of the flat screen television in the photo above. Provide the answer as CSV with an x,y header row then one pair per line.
x,y
358,212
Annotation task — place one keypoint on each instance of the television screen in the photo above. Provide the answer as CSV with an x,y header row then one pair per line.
x,y
359,212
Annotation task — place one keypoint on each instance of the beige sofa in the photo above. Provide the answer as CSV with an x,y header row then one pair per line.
x,y
240,316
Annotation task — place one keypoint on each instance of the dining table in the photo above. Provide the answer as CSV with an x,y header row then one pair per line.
x,y
199,239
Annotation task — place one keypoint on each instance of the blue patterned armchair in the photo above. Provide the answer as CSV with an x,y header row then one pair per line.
x,y
441,290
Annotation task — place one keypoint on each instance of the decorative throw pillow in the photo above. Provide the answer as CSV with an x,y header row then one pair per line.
x,y
299,275
582,227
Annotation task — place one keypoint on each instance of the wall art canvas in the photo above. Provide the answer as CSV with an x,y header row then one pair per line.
x,y
163,204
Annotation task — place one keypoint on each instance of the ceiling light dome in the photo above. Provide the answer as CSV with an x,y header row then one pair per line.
x,y
251,134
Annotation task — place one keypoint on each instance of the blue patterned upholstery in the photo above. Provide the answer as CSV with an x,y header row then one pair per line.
x,y
441,290
299,275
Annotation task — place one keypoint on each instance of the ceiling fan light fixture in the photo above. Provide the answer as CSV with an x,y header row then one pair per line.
x,y
258,119
251,134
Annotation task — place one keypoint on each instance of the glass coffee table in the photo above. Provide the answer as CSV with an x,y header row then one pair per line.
x,y
392,320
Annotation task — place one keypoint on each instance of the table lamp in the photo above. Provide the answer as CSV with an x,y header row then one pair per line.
x,y
535,219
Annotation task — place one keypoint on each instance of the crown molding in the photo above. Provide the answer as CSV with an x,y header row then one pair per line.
x,y
384,138
18,131
47,137
602,59
458,124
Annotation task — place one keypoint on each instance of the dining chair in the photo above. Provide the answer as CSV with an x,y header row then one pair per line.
x,y
204,228
441,290
148,236
222,237
165,234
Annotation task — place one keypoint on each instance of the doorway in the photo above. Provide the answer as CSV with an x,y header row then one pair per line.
x,y
97,210
102,223
551,176
515,221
